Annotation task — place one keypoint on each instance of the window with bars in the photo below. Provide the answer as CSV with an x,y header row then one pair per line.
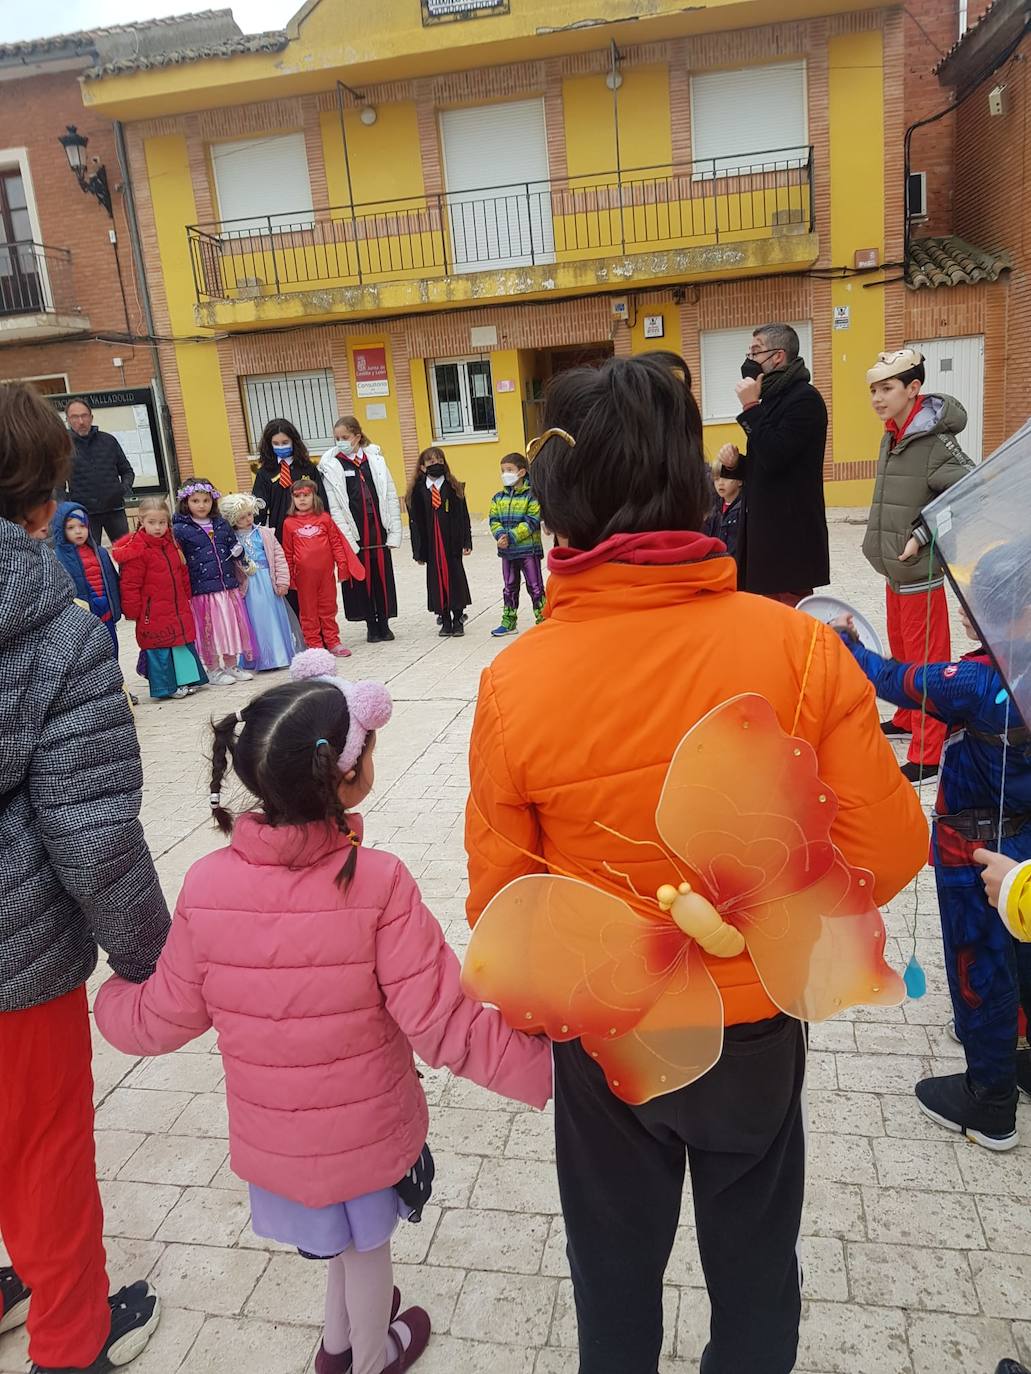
x,y
306,399
462,397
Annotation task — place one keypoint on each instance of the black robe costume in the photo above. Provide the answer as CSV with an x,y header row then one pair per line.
x,y
375,599
439,539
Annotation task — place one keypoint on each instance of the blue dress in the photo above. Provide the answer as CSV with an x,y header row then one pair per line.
x,y
274,639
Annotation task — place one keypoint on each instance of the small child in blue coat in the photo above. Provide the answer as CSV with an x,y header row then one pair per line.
x,y
88,565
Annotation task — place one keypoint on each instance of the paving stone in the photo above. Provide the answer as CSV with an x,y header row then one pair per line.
x,y
845,1113
114,1148
532,1137
881,1073
840,1158
129,1260
207,1278
449,1355
171,1342
503,1241
455,1177
1007,1223
466,1132
514,1308
192,1073
910,1277
412,1240
206,1216
516,1185
132,1109
917,1164
136,1210
204,1115
244,1343
845,1338
833,1209
1003,1284
432,1287
944,1344
174,1159
824,1274
291,1289
909,1217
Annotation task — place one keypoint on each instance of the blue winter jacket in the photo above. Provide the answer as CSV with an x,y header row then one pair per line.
x,y
210,559
68,557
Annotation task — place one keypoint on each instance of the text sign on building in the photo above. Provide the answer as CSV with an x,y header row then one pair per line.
x,y
441,11
370,372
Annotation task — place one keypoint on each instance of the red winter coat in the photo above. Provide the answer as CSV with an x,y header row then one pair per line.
x,y
155,589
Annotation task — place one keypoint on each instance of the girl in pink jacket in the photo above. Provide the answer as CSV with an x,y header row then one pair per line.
x,y
322,971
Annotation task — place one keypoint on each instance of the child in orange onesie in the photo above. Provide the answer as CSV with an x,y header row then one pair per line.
x,y
314,547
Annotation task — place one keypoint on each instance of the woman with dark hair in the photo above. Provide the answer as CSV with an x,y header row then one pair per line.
x,y
645,635
284,460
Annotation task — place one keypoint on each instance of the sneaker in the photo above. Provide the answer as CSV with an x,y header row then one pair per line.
x,y
952,1033
341,651
893,731
135,1313
14,1301
410,1334
920,774
180,693
341,1364
503,630
134,698
1023,1077
241,674
1011,1367
221,677
954,1103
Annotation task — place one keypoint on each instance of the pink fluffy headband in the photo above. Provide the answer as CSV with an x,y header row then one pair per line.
x,y
368,703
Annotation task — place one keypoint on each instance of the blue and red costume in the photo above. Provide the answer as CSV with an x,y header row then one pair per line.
x,y
989,972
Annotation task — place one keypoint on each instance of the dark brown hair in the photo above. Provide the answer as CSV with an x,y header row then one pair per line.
x,y
184,502
516,460
353,426
433,455
637,464
35,451
307,484
269,461
286,755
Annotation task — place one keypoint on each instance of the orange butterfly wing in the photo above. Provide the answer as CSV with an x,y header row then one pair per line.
x,y
560,956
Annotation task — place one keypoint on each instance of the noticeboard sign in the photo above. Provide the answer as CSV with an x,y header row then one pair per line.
x,y
444,11
130,414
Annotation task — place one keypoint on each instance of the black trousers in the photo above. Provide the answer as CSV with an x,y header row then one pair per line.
x,y
621,1176
113,523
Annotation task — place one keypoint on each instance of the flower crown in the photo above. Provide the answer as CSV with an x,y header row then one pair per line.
x,y
189,488
368,703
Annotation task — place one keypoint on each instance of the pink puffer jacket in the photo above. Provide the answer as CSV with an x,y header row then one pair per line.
x,y
319,997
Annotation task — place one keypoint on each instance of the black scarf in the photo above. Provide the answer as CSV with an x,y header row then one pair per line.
x,y
776,382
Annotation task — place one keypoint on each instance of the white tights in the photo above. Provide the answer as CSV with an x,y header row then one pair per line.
x,y
359,1290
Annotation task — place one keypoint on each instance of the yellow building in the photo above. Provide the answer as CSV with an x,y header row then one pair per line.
x,y
416,211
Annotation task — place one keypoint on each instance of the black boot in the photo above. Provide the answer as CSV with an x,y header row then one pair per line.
x,y
447,625
988,1119
458,624
383,625
373,635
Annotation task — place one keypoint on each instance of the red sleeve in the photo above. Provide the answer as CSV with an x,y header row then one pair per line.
x,y
345,557
131,587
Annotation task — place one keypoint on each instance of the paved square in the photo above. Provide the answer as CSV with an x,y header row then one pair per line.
x,y
917,1248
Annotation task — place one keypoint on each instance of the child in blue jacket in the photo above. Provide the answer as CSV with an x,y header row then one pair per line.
x,y
215,561
987,756
88,565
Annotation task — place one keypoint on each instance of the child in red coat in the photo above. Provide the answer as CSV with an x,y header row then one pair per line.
x,y
155,589
314,547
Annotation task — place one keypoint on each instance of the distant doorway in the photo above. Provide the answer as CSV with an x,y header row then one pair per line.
x,y
543,364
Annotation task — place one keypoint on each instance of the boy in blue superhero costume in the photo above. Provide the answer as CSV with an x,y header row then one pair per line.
x,y
989,972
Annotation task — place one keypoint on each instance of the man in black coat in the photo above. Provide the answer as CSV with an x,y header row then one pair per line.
x,y
102,477
784,553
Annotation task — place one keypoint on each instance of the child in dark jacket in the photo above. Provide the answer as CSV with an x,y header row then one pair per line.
x,y
156,594
214,560
515,523
88,565
441,537
731,512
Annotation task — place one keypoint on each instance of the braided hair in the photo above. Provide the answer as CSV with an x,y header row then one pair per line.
x,y
286,754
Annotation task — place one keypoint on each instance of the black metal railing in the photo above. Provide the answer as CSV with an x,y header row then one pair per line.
x,y
568,219
35,279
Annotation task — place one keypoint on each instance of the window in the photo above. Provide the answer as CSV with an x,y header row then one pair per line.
x,y
262,179
306,399
723,352
916,195
462,396
752,118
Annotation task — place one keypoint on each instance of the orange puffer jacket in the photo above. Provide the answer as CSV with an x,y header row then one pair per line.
x,y
578,721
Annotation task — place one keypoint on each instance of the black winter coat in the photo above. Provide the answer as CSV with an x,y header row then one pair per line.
x,y
783,545
102,477
77,871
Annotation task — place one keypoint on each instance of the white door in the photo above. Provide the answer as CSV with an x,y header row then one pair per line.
x,y
496,177
956,367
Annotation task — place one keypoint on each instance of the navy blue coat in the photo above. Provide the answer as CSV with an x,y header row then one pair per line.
x,y
210,559
68,557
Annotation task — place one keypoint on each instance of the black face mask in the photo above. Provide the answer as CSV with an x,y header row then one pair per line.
x,y
751,369
434,470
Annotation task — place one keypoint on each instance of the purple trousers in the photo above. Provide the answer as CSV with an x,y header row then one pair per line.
x,y
516,569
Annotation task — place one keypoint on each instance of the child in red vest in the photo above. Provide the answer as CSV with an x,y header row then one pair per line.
x,y
88,565
314,549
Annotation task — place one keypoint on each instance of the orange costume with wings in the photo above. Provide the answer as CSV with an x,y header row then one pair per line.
x,y
782,914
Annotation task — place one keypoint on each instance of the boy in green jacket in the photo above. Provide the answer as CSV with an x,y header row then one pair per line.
x,y
515,522
919,459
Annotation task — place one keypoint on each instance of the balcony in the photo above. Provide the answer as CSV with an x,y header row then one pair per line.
x,y
637,228
37,296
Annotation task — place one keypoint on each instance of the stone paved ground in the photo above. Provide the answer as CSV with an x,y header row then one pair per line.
x,y
917,1248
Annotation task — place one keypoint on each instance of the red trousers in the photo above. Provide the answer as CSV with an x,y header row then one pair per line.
x,y
50,1214
317,604
918,632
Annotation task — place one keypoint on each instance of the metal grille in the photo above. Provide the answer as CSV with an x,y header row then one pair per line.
x,y
306,399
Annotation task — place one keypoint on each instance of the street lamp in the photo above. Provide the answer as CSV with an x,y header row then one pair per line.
x,y
74,145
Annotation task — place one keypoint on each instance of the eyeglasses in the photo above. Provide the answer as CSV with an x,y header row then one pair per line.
x,y
535,445
754,352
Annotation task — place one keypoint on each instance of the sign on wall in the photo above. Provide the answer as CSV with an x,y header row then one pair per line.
x,y
370,372
130,414
443,11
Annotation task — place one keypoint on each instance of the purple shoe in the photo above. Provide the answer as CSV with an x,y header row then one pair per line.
x,y
341,1364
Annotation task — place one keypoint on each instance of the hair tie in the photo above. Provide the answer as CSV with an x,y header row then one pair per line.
x,y
354,838
321,741
239,717
215,799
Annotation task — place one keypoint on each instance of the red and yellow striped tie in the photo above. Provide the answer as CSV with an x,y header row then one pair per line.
x,y
284,473
435,498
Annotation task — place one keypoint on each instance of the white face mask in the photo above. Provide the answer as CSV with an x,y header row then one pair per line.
x,y
346,446
510,478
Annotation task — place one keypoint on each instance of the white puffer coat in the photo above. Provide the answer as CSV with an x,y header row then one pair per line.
x,y
333,476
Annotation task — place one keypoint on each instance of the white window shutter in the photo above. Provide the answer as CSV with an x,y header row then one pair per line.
x,y
723,352
257,178
749,118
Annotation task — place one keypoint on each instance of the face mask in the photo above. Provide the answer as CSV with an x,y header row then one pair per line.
x,y
751,368
283,450
510,478
346,446
435,470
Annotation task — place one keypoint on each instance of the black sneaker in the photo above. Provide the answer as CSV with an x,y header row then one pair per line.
x,y
135,1313
920,774
14,1301
893,731
1011,1367
953,1102
1023,1079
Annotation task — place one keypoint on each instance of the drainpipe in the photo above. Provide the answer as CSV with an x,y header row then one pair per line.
x,y
129,201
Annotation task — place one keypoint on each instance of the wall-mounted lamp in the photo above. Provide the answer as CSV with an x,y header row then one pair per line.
x,y
614,80
368,115
74,145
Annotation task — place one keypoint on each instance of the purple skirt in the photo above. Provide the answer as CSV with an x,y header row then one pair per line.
x,y
366,1222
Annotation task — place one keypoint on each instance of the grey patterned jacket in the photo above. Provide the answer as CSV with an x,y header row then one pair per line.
x,y
75,869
